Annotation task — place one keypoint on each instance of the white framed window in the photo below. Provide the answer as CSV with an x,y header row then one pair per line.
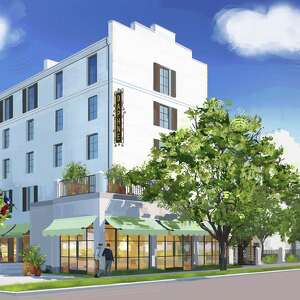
x,y
57,155
5,138
29,162
30,130
92,146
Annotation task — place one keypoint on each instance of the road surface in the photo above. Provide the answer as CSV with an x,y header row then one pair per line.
x,y
271,286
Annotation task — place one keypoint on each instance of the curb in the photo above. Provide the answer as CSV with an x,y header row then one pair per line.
x,y
46,291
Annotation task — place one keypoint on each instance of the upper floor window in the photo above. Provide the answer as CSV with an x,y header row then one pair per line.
x,y
29,196
164,80
92,146
6,167
6,109
30,130
92,108
5,138
57,155
164,116
59,120
58,85
29,162
92,69
30,98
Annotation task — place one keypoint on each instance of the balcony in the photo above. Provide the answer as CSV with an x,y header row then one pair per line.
x,y
83,185
92,184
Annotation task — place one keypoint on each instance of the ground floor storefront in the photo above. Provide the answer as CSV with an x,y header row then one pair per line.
x,y
137,244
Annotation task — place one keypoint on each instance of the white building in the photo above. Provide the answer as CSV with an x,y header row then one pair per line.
x,y
67,112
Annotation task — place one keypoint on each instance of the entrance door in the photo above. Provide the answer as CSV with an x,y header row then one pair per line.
x,y
10,250
187,253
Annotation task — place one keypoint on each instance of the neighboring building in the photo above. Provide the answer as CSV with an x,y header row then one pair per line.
x,y
104,105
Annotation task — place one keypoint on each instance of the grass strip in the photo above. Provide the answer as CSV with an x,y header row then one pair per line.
x,y
76,282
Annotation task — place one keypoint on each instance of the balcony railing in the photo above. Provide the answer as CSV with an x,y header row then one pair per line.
x,y
83,185
135,190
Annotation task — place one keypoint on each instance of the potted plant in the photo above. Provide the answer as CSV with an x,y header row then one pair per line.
x,y
117,179
73,174
33,260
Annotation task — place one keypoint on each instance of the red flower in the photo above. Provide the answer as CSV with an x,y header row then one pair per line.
x,y
5,209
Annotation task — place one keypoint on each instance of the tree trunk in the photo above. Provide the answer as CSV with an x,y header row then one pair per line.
x,y
240,254
222,256
262,248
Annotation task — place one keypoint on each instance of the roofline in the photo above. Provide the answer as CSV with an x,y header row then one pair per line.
x,y
60,65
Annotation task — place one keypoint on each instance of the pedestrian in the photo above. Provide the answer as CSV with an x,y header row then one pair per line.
x,y
109,258
97,259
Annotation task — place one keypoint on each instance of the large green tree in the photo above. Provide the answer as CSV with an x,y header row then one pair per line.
x,y
210,172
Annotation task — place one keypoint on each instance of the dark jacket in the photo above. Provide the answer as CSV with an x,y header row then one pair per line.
x,y
108,254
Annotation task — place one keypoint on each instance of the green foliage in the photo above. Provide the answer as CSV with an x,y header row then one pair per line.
x,y
217,171
34,257
117,175
292,258
75,171
269,259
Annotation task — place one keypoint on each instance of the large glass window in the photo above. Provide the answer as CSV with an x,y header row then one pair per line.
x,y
92,108
164,116
30,130
92,146
29,195
92,69
164,80
29,162
59,120
5,138
58,85
6,167
57,155
77,253
130,252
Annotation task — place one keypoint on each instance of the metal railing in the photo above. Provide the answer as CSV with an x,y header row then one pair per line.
x,y
84,185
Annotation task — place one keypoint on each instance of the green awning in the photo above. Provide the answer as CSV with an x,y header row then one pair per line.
x,y
136,225
13,230
69,226
183,228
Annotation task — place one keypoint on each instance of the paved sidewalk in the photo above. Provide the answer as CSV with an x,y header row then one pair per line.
x,y
11,279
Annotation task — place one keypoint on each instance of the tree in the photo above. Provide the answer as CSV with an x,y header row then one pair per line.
x,y
210,171
75,171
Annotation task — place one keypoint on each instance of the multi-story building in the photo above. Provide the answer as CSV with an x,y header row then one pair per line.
x,y
104,105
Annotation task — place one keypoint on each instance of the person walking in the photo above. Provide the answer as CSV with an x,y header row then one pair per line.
x,y
109,258
97,259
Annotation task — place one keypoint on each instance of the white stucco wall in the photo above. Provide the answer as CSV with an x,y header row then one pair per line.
x,y
134,51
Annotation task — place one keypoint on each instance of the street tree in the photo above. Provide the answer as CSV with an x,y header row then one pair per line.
x,y
209,172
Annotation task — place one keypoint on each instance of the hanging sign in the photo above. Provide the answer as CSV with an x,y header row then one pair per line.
x,y
119,118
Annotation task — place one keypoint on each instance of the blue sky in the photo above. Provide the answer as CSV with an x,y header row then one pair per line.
x,y
257,71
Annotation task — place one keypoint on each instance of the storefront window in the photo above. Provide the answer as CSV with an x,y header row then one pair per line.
x,y
77,253
131,252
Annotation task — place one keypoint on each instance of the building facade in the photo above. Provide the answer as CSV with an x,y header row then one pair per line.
x,y
105,105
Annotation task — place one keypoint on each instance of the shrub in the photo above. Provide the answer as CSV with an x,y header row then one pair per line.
x,y
75,171
117,175
270,259
291,258
34,258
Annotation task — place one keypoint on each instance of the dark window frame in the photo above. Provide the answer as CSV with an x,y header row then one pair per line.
x,y
30,162
92,69
59,120
59,85
57,155
91,152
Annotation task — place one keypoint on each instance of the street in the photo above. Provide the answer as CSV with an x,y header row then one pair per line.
x,y
271,286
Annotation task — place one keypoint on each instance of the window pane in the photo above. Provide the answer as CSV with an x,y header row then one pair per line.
x,y
6,138
92,108
164,116
59,120
30,130
31,97
29,162
93,146
59,85
164,81
58,155
92,69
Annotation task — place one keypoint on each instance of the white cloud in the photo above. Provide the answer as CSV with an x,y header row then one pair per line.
x,y
260,31
9,36
290,147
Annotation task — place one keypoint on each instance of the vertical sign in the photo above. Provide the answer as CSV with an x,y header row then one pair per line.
x,y
119,118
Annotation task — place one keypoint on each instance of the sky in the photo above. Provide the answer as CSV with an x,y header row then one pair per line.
x,y
252,48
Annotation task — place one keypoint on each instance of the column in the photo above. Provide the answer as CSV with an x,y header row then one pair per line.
x,y
258,256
